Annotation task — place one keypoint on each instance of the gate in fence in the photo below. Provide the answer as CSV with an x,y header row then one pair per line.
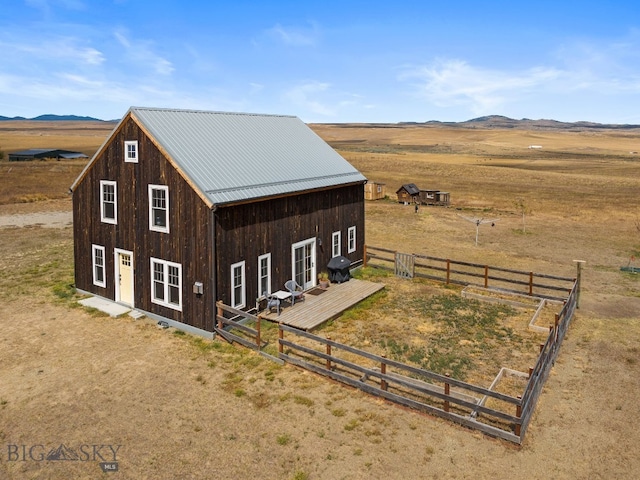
x,y
405,265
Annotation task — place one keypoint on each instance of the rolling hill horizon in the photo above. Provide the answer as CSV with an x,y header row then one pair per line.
x,y
487,121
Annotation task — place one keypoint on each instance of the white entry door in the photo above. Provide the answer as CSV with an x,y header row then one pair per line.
x,y
303,259
124,276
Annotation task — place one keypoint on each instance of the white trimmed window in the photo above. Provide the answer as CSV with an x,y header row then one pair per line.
x,y
166,280
336,240
352,239
131,151
159,208
99,277
238,296
108,202
264,274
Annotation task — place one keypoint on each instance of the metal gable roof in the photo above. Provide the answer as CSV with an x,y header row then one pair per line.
x,y
234,157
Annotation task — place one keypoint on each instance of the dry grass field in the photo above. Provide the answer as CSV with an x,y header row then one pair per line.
x,y
181,407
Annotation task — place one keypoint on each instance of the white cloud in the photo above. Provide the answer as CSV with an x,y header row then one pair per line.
x,y
295,36
45,6
141,53
60,48
255,88
448,83
306,96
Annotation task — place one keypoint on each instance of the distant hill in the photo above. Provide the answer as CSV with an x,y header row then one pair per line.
x,y
501,122
53,118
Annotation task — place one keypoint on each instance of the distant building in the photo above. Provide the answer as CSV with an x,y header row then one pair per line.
x,y
42,153
374,191
408,193
434,197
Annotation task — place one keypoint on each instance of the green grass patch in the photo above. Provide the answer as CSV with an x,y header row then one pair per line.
x,y
465,328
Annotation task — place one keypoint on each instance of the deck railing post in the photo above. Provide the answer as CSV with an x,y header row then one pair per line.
x,y
258,343
329,353
364,256
280,337
383,369
446,392
518,414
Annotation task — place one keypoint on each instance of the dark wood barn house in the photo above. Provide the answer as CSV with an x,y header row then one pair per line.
x,y
179,209
408,193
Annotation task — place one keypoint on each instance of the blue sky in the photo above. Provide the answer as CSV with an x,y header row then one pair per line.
x,y
324,61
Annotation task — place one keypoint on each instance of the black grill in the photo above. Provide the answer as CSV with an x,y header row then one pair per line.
x,y
339,269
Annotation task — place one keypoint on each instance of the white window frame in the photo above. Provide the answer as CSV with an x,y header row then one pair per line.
x,y
242,301
336,244
261,258
152,226
165,282
95,266
127,151
103,184
351,235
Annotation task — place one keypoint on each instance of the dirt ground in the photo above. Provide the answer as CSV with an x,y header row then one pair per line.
x,y
73,378
172,406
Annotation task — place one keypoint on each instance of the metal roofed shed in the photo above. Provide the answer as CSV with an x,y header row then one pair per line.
x,y
339,269
42,153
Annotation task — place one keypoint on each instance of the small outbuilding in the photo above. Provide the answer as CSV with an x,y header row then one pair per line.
x,y
434,197
374,191
43,153
408,193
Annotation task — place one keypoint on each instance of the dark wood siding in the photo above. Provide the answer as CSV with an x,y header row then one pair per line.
x,y
244,232
187,243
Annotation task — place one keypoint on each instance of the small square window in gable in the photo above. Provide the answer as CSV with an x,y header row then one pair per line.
x,y
131,151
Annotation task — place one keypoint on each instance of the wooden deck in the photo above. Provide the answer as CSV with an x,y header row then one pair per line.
x,y
330,303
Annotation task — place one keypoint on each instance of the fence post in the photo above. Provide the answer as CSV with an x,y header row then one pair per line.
x,y
530,372
557,324
219,313
518,414
258,343
280,337
580,264
448,270
486,276
383,369
364,256
328,353
530,283
446,392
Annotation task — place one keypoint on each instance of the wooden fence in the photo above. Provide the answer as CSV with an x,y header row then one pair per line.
x,y
508,417
551,287
446,397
